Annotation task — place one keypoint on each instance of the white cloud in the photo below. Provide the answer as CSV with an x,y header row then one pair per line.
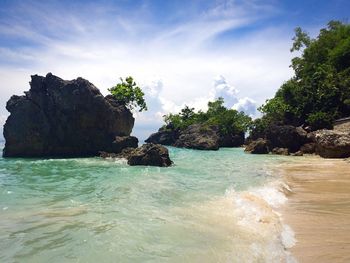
x,y
248,106
184,57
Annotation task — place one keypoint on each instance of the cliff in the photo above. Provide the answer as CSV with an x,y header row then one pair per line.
x,y
64,118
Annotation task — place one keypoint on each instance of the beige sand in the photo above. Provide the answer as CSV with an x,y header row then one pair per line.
x,y
318,209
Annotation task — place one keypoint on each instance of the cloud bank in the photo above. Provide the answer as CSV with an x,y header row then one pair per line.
x,y
188,56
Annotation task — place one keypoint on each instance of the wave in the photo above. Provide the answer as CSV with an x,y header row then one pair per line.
x,y
242,226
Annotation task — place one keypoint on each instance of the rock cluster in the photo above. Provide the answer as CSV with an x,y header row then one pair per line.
x,y
286,139
196,136
64,118
148,154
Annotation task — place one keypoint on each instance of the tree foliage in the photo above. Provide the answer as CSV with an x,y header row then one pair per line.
x,y
129,94
319,92
229,121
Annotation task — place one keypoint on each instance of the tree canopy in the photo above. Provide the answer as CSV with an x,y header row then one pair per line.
x,y
319,92
229,121
129,94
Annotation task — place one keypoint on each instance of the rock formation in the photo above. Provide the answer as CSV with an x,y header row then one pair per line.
x,y
148,154
333,144
196,136
259,146
199,137
64,118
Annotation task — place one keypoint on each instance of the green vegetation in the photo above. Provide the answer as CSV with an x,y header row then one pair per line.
x,y
319,92
129,94
229,121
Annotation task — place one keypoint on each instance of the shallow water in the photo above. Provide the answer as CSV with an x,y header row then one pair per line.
x,y
208,207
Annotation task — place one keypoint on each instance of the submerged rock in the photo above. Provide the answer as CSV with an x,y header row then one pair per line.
x,y
259,146
332,144
63,118
148,154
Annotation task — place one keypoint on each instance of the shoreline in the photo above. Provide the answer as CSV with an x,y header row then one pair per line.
x,y
318,208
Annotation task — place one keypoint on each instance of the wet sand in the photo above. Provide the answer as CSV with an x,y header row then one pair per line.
x,y
318,209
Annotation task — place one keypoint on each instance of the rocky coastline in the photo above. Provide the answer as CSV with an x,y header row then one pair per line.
x,y
61,118
290,140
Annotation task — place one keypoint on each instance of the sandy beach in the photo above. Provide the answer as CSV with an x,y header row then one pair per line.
x,y
318,209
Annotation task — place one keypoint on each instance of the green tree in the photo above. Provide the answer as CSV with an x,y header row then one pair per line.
x,y
319,92
229,121
129,94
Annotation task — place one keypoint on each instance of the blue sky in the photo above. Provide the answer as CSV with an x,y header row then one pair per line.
x,y
180,52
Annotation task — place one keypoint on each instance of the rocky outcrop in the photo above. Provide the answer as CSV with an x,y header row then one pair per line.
x,y
308,148
123,142
165,136
200,137
280,151
64,118
148,154
332,144
231,140
286,136
196,136
259,146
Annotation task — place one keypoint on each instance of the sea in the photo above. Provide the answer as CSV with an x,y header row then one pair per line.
x,y
210,206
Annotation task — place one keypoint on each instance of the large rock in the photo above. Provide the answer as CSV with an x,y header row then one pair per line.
x,y
259,146
148,154
231,140
200,137
332,144
286,136
123,142
165,136
63,118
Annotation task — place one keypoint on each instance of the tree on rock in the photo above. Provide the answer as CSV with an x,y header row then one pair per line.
x,y
129,94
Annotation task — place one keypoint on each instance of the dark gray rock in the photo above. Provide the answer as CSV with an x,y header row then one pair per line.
x,y
200,137
280,151
122,142
164,136
286,136
63,118
148,154
231,140
332,144
259,146
308,148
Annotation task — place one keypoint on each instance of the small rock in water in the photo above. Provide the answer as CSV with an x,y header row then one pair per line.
x,y
148,154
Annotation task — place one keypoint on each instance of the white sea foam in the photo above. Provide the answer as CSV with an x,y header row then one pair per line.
x,y
262,225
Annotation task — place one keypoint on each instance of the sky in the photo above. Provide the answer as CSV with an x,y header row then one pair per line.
x,y
179,52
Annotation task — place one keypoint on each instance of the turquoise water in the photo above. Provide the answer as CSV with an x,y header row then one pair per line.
x,y
202,209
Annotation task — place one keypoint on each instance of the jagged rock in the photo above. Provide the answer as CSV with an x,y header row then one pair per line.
x,y
286,136
150,154
280,151
332,144
201,137
165,136
259,146
63,118
122,142
231,140
308,148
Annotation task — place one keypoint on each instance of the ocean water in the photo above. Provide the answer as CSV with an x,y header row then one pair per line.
x,y
208,207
